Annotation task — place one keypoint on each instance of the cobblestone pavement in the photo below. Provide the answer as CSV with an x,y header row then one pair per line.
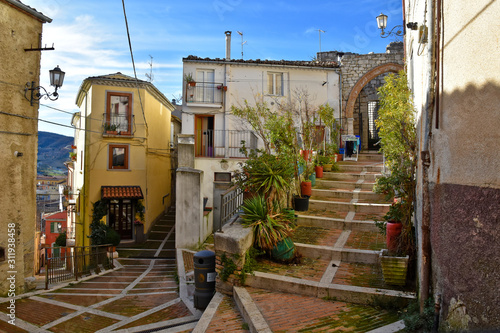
x,y
140,294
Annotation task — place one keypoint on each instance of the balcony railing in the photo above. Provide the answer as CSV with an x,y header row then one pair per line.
x,y
212,143
115,124
204,93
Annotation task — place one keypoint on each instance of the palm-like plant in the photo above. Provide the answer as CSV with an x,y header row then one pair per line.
x,y
268,229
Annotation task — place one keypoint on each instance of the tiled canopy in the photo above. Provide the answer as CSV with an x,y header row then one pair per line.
x,y
121,192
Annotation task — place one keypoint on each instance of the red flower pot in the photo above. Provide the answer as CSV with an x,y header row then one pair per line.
x,y
393,230
306,188
319,171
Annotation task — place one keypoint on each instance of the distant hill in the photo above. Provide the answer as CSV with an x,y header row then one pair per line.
x,y
53,151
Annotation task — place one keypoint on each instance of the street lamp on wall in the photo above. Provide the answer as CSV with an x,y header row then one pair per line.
x,y
382,24
56,80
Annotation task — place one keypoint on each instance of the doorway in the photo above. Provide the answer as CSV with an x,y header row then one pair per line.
x,y
204,136
121,216
373,137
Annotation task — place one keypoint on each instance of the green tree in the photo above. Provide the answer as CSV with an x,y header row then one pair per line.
x,y
397,131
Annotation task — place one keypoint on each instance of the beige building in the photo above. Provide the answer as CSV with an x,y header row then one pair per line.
x,y
20,29
453,71
123,155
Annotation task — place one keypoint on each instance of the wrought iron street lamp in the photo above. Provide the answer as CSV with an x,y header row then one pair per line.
x,y
56,80
382,24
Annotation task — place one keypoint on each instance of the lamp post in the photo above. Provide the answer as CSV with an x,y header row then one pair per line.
x,y
56,80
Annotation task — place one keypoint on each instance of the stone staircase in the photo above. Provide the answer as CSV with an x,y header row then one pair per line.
x,y
160,242
340,239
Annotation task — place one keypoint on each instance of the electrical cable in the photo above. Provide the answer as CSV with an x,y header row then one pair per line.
x,y
133,63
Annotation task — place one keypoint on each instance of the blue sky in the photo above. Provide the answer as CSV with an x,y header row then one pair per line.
x,y
90,37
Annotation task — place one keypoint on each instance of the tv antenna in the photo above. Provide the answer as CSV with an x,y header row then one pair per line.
x,y
150,76
319,33
242,43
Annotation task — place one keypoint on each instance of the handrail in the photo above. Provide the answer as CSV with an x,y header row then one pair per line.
x,y
231,201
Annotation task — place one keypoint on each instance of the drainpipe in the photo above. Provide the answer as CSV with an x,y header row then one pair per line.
x,y
425,157
228,58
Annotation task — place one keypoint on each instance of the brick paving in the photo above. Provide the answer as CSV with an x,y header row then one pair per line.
x,y
365,240
316,236
84,323
309,269
294,313
36,312
227,318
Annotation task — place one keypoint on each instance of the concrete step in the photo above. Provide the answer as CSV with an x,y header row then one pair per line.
x,y
370,157
353,168
349,207
344,293
347,195
325,184
350,176
334,223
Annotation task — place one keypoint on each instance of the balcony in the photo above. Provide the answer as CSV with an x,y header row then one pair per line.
x,y
212,143
120,125
204,93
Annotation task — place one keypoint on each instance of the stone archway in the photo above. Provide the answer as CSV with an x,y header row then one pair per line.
x,y
363,81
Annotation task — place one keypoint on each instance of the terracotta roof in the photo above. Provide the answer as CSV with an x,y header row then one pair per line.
x,y
121,192
327,64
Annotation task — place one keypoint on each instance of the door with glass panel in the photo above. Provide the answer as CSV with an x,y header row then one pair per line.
x,y
120,217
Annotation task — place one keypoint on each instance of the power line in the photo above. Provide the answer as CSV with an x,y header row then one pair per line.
x,y
133,63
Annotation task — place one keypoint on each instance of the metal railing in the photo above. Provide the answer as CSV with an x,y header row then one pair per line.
x,y
231,201
212,143
117,124
204,92
67,263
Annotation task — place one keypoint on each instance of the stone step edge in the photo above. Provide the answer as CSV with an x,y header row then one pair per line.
x,y
332,253
336,223
343,293
249,311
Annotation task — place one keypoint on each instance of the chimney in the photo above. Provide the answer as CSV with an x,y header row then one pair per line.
x,y
228,45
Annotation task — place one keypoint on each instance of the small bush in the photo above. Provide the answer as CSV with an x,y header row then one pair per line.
x,y
61,239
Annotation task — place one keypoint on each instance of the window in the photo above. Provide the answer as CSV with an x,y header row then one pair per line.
x,y
118,113
205,90
118,157
56,227
275,84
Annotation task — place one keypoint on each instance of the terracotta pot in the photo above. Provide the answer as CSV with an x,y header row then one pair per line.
x,y
306,188
192,83
319,171
392,231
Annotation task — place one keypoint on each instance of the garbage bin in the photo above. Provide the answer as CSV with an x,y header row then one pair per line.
x,y
204,278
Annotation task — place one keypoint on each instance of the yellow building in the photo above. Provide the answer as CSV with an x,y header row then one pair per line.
x,y
20,30
122,140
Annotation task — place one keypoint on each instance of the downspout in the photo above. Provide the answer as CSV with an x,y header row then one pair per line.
x,y
85,170
426,156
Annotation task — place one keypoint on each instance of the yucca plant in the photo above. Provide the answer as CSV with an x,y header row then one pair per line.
x,y
268,229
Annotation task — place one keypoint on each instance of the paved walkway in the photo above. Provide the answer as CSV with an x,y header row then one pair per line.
x,y
146,293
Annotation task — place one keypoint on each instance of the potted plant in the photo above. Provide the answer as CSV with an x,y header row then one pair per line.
x,y
321,161
271,231
72,156
111,128
112,237
189,79
397,131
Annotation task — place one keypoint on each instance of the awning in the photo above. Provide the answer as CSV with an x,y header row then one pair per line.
x,y
121,192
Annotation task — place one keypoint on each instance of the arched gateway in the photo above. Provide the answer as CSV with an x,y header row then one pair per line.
x,y
360,84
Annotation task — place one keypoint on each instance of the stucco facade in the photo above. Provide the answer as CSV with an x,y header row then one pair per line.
x,y
20,29
456,88
137,153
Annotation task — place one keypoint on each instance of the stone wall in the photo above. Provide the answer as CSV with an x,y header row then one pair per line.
x,y
18,145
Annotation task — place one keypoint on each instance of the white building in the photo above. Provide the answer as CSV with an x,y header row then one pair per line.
x,y
222,83
453,72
